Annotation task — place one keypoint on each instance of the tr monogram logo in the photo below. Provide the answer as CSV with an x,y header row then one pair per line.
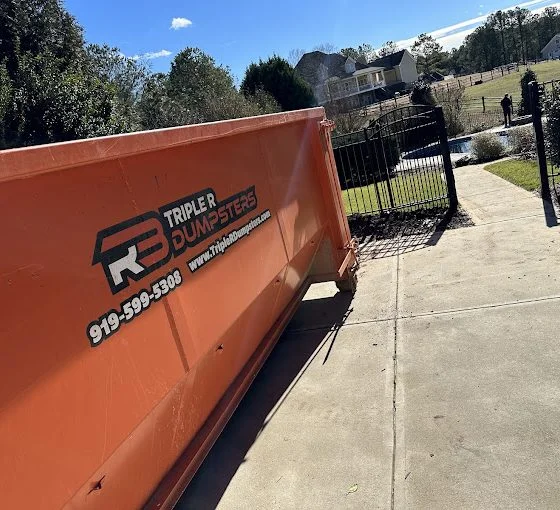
x,y
134,248
131,249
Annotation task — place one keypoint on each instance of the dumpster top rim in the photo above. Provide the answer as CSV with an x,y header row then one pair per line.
x,y
27,161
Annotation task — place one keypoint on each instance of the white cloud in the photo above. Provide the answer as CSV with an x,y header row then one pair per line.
x,y
178,23
454,35
541,9
152,54
455,40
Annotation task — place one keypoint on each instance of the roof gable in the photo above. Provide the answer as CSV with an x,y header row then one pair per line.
x,y
389,61
550,43
316,66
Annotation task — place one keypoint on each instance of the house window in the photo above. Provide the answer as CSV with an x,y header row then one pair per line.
x,y
346,86
362,80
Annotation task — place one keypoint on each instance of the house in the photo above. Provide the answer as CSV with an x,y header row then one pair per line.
x,y
399,69
552,48
343,81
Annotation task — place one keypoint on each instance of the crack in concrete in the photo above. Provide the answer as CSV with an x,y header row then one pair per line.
x,y
481,307
497,190
395,367
428,314
493,222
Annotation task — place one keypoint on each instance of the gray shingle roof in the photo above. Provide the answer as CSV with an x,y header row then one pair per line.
x,y
389,61
309,66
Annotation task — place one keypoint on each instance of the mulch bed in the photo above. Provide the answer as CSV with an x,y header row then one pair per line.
x,y
389,226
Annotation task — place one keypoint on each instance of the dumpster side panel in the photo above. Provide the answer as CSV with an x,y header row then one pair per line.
x,y
296,190
148,276
295,178
66,407
159,440
232,279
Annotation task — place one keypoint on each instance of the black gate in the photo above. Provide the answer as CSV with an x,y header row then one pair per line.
x,y
400,163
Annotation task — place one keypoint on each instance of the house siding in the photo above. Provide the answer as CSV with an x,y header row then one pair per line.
x,y
552,49
391,76
407,68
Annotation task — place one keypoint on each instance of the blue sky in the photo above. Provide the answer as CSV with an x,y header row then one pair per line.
x,y
238,32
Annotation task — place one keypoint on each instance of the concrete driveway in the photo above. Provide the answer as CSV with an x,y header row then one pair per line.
x,y
437,386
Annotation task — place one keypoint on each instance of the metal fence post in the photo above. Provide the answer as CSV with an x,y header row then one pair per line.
x,y
372,165
539,139
447,165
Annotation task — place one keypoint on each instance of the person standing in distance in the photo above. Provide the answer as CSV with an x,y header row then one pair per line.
x,y
506,107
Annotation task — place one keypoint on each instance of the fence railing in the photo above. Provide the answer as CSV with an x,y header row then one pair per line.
x,y
382,107
469,80
474,122
486,103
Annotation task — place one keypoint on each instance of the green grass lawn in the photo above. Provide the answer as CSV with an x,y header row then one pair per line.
x,y
509,84
406,188
522,173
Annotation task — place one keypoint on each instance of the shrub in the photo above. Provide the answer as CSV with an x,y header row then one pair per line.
x,y
522,142
277,77
525,104
422,94
477,127
487,146
552,129
347,122
452,103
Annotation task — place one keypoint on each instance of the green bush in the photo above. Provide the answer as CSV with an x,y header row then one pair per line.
x,y
487,146
522,142
277,77
552,129
422,94
525,104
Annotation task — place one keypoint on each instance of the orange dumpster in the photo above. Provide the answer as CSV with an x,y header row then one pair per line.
x,y
145,278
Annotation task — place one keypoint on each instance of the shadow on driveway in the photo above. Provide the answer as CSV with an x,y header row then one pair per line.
x,y
286,364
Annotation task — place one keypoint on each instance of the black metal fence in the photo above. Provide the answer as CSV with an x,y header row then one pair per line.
x,y
400,163
545,99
